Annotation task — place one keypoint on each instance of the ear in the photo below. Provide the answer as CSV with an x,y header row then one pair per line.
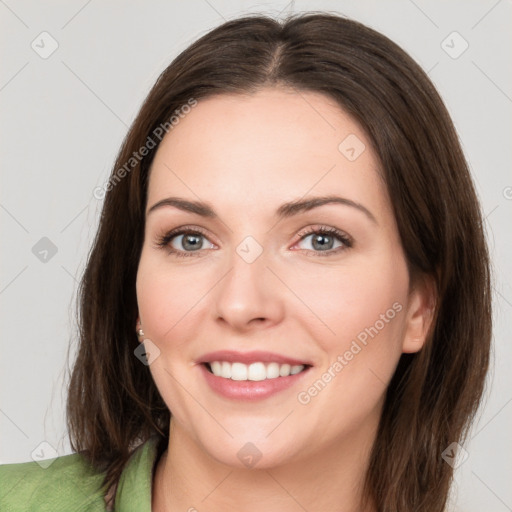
x,y
138,327
420,313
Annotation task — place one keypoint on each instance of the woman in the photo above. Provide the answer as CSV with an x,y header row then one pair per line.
x,y
287,304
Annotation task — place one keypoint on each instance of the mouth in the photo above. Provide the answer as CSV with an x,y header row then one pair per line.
x,y
249,376
256,371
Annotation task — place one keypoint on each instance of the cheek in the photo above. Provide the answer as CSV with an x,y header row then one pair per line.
x,y
166,297
166,300
365,310
349,301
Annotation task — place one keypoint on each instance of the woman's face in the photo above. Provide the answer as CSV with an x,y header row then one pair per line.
x,y
277,287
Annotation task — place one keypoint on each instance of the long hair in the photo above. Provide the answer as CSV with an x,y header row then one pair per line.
x,y
113,404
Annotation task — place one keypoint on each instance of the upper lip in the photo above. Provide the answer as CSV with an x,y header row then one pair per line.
x,y
256,356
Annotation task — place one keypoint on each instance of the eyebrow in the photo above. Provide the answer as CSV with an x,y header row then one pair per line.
x,y
284,211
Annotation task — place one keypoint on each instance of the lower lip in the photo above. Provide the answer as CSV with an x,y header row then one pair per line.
x,y
248,389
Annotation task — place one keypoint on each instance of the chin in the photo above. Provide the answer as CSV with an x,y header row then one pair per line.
x,y
253,452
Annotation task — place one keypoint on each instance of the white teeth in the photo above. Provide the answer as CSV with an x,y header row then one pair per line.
x,y
216,368
272,371
225,370
239,371
296,369
284,370
255,371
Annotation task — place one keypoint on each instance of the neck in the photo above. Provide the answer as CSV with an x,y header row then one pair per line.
x,y
188,478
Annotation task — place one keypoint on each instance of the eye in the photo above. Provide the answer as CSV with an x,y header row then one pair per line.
x,y
322,241
184,242
325,241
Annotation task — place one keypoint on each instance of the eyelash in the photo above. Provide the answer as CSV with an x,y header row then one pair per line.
x,y
163,241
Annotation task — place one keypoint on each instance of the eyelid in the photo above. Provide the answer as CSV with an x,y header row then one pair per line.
x,y
347,241
322,228
164,239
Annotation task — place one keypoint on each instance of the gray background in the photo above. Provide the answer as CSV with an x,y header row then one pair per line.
x,y
64,117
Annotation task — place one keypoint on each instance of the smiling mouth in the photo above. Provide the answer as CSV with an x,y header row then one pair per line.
x,y
256,371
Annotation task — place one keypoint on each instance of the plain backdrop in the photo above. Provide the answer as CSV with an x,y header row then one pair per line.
x,y
73,76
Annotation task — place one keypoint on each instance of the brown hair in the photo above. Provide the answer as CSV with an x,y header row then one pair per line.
x,y
113,403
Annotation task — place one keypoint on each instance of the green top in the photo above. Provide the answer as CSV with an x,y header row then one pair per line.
x,y
70,484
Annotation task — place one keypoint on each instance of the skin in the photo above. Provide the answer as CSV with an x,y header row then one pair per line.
x,y
246,155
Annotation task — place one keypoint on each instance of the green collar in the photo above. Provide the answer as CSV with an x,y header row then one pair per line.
x,y
135,484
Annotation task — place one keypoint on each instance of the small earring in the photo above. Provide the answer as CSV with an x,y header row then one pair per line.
x,y
140,332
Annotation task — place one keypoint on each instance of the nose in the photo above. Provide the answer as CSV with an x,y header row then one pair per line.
x,y
249,296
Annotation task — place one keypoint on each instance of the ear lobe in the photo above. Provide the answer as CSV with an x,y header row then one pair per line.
x,y
140,332
420,313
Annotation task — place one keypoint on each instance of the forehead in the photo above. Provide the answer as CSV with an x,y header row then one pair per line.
x,y
266,148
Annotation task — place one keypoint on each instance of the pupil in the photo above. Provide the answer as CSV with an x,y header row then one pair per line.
x,y
321,240
194,245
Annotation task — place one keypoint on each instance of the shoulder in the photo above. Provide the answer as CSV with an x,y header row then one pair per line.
x,y
61,484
